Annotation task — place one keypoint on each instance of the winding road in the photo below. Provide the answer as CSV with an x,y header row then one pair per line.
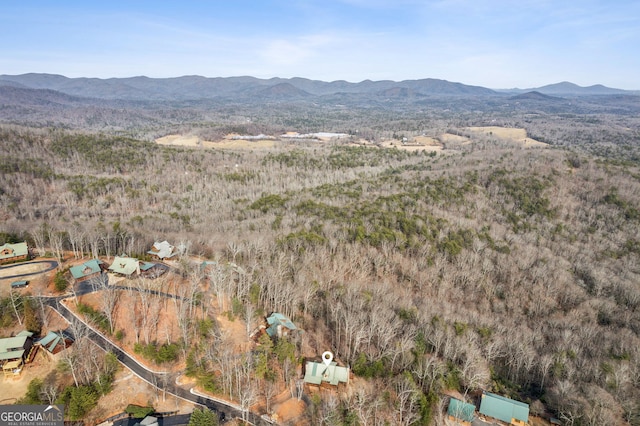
x,y
52,265
162,381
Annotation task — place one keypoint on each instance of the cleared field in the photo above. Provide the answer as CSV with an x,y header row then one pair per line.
x,y
194,141
455,139
416,143
511,134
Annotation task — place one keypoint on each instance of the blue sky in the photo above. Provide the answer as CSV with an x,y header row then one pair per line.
x,y
491,43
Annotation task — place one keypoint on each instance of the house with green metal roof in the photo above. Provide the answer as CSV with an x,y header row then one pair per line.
x,y
126,266
13,348
55,342
14,351
87,270
319,374
461,412
279,325
13,252
505,409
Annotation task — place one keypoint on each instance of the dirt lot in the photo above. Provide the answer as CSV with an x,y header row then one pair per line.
x,y
287,409
228,143
13,388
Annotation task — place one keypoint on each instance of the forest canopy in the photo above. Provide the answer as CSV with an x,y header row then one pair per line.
x,y
484,267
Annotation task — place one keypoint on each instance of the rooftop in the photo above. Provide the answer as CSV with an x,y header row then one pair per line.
x,y
163,250
317,373
125,265
277,319
502,408
87,268
7,251
13,347
461,410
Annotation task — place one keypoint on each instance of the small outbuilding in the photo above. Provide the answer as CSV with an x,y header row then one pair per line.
x,y
19,284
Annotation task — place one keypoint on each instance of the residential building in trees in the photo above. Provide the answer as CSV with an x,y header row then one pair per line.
x,y
279,325
13,252
163,250
321,375
87,270
504,409
461,412
14,351
55,342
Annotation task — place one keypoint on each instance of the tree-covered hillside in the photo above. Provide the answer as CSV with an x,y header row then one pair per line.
x,y
488,267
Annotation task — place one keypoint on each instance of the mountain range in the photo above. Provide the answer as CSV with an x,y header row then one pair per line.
x,y
194,88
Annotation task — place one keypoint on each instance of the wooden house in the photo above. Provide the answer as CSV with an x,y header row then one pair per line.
x,y
279,325
13,252
15,351
87,270
125,266
163,250
55,342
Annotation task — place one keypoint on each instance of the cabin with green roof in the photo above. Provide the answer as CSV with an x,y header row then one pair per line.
x,y
13,252
321,375
14,351
461,412
126,266
279,325
87,270
504,409
55,342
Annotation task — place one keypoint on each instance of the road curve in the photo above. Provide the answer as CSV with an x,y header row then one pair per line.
x,y
52,265
157,380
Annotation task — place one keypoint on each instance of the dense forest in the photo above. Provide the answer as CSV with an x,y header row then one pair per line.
x,y
485,266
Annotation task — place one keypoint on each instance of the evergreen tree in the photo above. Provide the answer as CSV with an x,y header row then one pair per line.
x,y
203,417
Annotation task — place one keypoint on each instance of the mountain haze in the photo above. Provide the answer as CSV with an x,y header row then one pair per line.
x,y
197,87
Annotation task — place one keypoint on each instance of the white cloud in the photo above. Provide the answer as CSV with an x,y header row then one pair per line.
x,y
296,50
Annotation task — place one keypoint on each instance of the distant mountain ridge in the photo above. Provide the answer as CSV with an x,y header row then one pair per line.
x,y
566,88
246,88
197,87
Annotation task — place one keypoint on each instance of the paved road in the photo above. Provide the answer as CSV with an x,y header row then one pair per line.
x,y
161,381
52,265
